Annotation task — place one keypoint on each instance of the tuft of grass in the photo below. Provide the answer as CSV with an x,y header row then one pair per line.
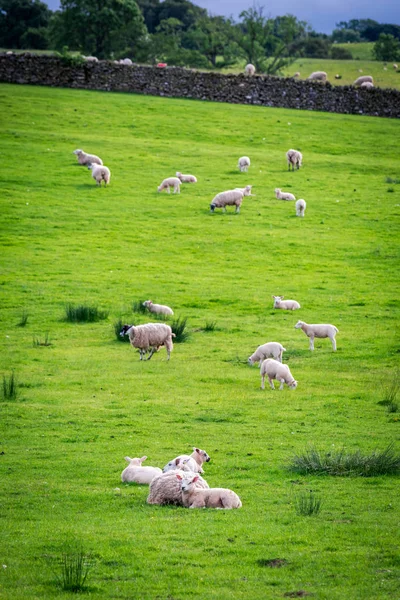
x,y
179,328
390,390
10,387
84,314
38,342
392,407
307,504
117,328
210,326
392,180
137,307
72,568
23,320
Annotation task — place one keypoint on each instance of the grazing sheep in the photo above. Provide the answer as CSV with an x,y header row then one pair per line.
x,y
134,472
318,331
295,75
294,159
158,309
318,76
363,79
169,183
285,304
300,208
337,76
283,195
395,67
273,349
100,173
194,462
166,488
276,370
195,497
367,84
150,336
243,163
186,178
249,69
230,198
87,159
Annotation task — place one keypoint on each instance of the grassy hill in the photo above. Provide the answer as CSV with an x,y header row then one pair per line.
x,y
84,400
359,50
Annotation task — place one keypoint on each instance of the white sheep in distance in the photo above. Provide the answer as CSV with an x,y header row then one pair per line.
x,y
193,462
283,195
100,173
158,309
135,472
90,58
318,331
395,66
149,337
363,79
166,488
186,178
86,159
194,497
294,159
243,164
270,349
295,75
169,183
279,302
230,198
318,76
126,61
249,70
300,208
276,370
367,84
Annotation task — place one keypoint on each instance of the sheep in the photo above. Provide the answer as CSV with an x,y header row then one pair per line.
x,y
367,84
194,462
283,195
363,79
276,370
295,75
86,159
249,70
195,497
169,183
166,488
186,178
134,472
273,349
100,173
318,76
286,304
149,337
90,58
337,76
230,198
243,163
318,331
395,67
294,159
300,208
158,309
126,61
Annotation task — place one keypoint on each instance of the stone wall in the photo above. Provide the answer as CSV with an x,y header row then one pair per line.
x,y
187,83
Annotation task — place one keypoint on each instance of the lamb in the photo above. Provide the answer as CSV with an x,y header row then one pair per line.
x,y
363,79
195,497
285,304
87,159
300,208
150,336
169,183
230,198
186,178
283,195
318,76
318,331
275,370
194,462
244,163
158,309
166,488
134,472
294,159
273,349
367,84
100,173
249,70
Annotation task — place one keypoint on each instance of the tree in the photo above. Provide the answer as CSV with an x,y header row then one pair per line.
x,y
213,37
387,48
17,16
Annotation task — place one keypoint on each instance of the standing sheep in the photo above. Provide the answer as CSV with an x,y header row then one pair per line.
x,y
169,183
285,304
243,164
86,159
249,70
294,159
193,462
158,309
318,331
230,198
150,336
283,195
300,208
194,497
318,76
363,79
276,370
166,488
100,173
186,178
134,472
367,84
273,349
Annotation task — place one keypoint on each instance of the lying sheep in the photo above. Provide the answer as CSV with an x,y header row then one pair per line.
x,y
158,309
318,331
275,370
244,163
249,69
193,462
194,497
149,337
126,61
285,304
363,79
87,159
273,349
230,198
300,208
166,488
169,183
90,58
283,195
294,159
318,76
186,178
134,472
367,84
100,173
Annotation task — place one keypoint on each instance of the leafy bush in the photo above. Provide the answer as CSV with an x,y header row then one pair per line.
x,y
338,53
82,313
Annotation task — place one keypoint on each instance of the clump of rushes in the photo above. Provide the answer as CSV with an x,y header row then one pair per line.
x,y
84,314
117,328
72,569
179,328
10,387
210,326
137,307
23,320
38,342
307,504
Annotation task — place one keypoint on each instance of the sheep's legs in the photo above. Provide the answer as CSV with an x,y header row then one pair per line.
x,y
262,382
237,209
271,383
151,353
311,343
282,382
333,344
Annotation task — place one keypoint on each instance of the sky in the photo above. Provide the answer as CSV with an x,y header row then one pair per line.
x,y
322,15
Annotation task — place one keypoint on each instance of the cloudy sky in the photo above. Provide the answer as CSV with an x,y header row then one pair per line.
x,y
321,14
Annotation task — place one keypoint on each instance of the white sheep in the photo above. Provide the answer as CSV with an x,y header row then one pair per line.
x,y
186,178
363,79
166,488
169,183
300,208
367,84
126,61
295,75
90,58
395,67
193,462
276,370
285,304
264,351
243,163
87,159
149,337
158,309
134,472
100,173
283,195
195,497
294,159
318,331
230,198
249,69
318,76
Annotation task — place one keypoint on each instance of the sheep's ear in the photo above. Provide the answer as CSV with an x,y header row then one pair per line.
x,y
196,450
177,461
282,297
128,459
178,476
195,478
143,459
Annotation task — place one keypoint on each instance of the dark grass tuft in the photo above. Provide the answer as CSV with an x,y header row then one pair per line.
x,y
23,320
210,326
392,407
72,568
84,314
38,342
392,180
272,563
10,387
179,328
307,504
390,390
137,307
117,328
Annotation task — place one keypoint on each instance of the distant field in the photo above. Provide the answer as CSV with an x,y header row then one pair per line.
x,y
359,51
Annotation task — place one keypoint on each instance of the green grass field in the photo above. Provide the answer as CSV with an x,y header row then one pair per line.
x,y
359,50
85,401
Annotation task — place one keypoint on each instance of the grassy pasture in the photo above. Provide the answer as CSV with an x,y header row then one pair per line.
x,y
85,401
359,50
